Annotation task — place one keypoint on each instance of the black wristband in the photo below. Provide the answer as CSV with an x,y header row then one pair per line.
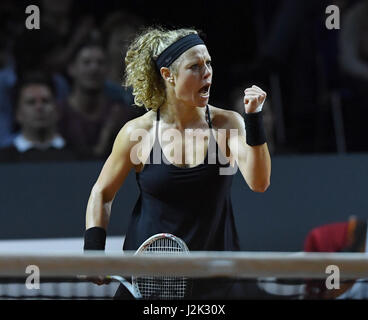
x,y
95,238
254,128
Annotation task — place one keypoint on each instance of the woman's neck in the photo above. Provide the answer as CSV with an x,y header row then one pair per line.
x,y
181,115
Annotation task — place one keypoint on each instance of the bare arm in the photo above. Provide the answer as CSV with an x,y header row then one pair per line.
x,y
112,176
254,161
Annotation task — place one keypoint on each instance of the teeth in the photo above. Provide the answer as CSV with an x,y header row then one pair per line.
x,y
204,92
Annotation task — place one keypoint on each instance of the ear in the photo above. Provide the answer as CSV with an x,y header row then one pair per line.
x,y
166,75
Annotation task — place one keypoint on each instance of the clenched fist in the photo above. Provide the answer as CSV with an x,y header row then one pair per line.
x,y
254,98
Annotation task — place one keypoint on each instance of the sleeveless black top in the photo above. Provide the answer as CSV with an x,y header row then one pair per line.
x,y
191,203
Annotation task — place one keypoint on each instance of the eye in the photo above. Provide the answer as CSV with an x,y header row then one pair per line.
x,y
194,66
209,63
30,101
46,100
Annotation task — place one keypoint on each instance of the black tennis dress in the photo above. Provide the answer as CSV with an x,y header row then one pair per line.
x,y
191,203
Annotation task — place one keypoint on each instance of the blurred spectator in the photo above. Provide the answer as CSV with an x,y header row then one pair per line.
x,y
90,118
353,60
37,116
118,30
287,59
354,43
327,81
68,34
50,50
56,15
349,236
38,46
41,47
7,81
11,23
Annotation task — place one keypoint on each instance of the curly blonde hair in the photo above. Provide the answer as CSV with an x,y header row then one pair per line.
x,y
141,72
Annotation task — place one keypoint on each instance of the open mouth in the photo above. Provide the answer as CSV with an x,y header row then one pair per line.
x,y
205,90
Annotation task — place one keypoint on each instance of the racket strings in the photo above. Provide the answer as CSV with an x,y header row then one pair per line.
x,y
163,287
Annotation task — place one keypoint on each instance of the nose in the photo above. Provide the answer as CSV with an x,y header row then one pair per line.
x,y
39,108
41,104
93,66
207,71
97,65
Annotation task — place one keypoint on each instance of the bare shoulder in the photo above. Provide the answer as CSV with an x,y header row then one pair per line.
x,y
225,119
144,122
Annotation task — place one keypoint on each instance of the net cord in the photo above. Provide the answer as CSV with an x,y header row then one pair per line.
x,y
195,264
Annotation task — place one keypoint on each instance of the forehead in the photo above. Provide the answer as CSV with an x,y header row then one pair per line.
x,y
91,52
197,52
35,89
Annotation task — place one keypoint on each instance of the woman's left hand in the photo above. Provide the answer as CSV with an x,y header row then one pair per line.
x,y
254,98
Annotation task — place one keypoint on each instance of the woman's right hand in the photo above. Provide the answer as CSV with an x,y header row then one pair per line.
x,y
99,280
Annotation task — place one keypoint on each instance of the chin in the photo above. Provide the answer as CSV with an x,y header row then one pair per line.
x,y
203,103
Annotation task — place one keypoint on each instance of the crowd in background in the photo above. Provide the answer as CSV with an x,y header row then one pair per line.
x,y
61,96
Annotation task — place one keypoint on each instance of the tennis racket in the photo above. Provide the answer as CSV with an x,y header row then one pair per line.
x,y
160,287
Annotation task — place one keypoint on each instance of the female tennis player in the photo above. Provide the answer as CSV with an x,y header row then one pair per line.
x,y
171,75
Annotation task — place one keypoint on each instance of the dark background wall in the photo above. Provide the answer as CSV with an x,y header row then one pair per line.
x,y
49,200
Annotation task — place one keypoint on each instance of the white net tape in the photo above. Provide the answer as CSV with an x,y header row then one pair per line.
x,y
273,272
196,264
